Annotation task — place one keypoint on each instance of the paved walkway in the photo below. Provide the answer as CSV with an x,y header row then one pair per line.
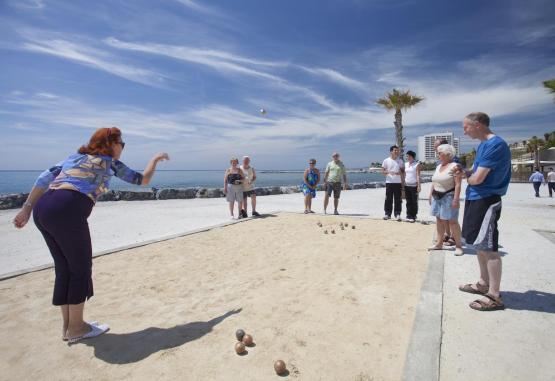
x,y
519,342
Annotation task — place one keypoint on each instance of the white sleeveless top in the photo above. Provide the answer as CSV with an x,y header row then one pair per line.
x,y
444,181
410,173
249,174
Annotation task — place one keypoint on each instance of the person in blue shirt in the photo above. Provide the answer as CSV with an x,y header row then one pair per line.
x,y
537,179
487,183
61,202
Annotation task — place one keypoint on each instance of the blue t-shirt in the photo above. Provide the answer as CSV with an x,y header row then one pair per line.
x,y
494,154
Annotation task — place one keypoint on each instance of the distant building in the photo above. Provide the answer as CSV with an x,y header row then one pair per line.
x,y
426,151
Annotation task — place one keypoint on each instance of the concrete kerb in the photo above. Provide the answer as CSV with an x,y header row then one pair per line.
x,y
133,246
423,354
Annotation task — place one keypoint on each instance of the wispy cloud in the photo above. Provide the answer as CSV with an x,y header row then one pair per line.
x,y
92,57
337,77
195,6
223,62
27,4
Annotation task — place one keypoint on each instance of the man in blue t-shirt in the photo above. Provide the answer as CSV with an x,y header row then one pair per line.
x,y
487,182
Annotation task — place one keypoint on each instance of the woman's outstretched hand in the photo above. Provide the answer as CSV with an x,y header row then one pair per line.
x,y
162,156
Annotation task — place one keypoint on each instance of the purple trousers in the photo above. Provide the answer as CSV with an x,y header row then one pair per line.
x,y
61,216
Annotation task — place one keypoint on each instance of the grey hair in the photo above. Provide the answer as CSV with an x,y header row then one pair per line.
x,y
447,149
478,117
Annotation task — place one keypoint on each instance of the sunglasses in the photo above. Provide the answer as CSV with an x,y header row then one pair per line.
x,y
122,144
312,162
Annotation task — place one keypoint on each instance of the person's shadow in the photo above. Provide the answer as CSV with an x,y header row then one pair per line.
x,y
530,300
131,347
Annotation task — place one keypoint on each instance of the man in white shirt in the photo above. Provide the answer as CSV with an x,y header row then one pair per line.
x,y
551,181
394,170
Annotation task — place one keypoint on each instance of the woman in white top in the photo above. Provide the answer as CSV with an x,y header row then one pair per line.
x,y
412,185
444,197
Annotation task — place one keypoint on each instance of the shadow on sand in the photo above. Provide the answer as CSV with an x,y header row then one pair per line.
x,y
531,300
132,347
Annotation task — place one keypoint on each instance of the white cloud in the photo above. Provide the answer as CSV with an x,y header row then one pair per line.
x,y
224,63
337,77
27,4
93,57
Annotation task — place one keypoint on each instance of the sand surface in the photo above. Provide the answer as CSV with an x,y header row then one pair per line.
x,y
333,307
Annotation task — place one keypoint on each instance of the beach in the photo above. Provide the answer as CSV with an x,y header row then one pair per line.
x,y
330,305
333,307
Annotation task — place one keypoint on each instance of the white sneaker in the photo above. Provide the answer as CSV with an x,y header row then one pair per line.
x,y
411,220
386,217
96,330
398,218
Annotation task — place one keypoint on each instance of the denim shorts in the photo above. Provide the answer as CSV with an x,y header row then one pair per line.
x,y
442,208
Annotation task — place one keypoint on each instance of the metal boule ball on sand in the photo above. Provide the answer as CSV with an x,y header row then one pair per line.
x,y
279,367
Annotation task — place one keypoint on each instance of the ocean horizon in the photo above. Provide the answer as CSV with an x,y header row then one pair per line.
x,y
21,181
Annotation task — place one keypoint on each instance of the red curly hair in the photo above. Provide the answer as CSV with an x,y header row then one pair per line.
x,y
101,142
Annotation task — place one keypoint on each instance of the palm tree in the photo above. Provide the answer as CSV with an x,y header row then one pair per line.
x,y
533,147
550,85
399,100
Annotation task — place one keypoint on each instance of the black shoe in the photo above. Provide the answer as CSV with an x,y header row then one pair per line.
x,y
244,213
255,214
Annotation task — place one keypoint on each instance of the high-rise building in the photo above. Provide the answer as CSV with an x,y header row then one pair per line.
x,y
426,151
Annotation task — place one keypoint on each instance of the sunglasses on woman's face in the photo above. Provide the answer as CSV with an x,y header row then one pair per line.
x,y
122,145
311,163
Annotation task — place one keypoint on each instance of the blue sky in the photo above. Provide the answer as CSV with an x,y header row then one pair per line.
x,y
189,76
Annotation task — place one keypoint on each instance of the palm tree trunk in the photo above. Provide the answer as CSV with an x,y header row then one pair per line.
x,y
399,131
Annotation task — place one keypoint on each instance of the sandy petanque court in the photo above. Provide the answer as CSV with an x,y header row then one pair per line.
x,y
333,307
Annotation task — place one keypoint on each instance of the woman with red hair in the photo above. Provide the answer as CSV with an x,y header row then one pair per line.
x,y
61,201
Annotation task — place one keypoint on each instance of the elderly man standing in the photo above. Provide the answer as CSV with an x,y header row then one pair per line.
x,y
487,182
248,191
335,172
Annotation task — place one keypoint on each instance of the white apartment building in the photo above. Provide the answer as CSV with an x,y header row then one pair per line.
x,y
426,151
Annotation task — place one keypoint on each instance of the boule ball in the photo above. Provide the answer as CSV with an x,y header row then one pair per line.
x,y
279,367
346,225
239,334
239,348
247,340
325,232
353,227
342,228
332,231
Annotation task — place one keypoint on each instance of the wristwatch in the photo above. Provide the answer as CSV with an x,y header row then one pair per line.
x,y
27,203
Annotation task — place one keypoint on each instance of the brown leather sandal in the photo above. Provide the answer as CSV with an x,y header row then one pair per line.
x,y
493,304
478,289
